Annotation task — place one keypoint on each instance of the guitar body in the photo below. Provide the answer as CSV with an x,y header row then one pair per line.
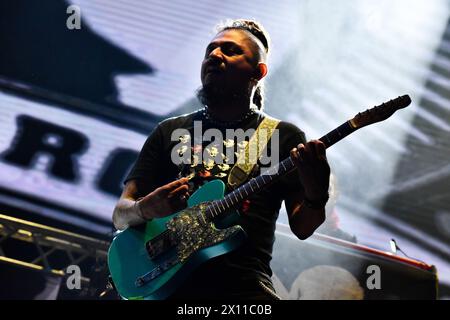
x,y
151,260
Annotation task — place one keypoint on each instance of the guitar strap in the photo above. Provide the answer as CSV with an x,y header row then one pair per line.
x,y
253,150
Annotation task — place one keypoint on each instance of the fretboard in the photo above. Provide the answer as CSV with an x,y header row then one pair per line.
x,y
233,199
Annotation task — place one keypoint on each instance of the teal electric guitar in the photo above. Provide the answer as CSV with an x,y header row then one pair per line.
x,y
151,260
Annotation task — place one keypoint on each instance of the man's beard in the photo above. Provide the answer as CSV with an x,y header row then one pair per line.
x,y
210,94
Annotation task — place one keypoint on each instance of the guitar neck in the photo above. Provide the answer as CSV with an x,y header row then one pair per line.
x,y
370,116
255,185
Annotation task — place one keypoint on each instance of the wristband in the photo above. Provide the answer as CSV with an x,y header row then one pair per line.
x,y
316,204
137,209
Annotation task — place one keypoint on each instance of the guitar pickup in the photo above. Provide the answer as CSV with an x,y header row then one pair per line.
x,y
160,244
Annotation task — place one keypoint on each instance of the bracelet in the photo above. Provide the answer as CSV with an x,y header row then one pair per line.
x,y
137,209
317,204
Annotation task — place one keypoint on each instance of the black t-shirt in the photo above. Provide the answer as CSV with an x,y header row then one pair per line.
x,y
154,168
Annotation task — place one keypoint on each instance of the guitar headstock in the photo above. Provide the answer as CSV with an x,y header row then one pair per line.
x,y
380,113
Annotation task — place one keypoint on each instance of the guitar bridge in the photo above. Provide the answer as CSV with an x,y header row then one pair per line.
x,y
156,272
160,244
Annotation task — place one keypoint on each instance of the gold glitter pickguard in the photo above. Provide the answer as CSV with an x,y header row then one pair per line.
x,y
192,232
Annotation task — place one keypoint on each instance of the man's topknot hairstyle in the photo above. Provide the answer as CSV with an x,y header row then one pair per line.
x,y
256,29
251,26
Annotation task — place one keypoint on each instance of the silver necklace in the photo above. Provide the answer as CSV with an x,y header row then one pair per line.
x,y
207,116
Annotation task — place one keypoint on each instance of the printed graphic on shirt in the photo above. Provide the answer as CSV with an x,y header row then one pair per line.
x,y
209,161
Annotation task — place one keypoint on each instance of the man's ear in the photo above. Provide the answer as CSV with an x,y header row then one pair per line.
x,y
261,70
